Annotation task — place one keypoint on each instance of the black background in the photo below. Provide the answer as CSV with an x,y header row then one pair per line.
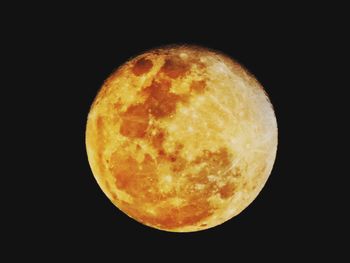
x,y
69,52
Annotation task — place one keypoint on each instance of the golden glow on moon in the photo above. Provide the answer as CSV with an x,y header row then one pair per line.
x,y
181,138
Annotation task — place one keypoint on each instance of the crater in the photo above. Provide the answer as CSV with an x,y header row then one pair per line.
x,y
135,121
160,101
158,139
137,179
99,124
227,190
142,66
198,86
174,67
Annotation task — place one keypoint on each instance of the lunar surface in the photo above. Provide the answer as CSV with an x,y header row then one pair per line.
x,y
181,138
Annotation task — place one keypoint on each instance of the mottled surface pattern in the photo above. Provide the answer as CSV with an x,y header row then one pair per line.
x,y
181,138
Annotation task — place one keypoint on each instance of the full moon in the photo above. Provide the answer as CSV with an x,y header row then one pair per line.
x,y
181,138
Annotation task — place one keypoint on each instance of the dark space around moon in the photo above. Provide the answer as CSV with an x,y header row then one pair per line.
x,y
64,56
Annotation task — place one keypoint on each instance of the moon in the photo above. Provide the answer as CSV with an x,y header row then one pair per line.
x,y
181,138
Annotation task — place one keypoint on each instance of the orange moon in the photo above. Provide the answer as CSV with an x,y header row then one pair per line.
x,y
181,138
